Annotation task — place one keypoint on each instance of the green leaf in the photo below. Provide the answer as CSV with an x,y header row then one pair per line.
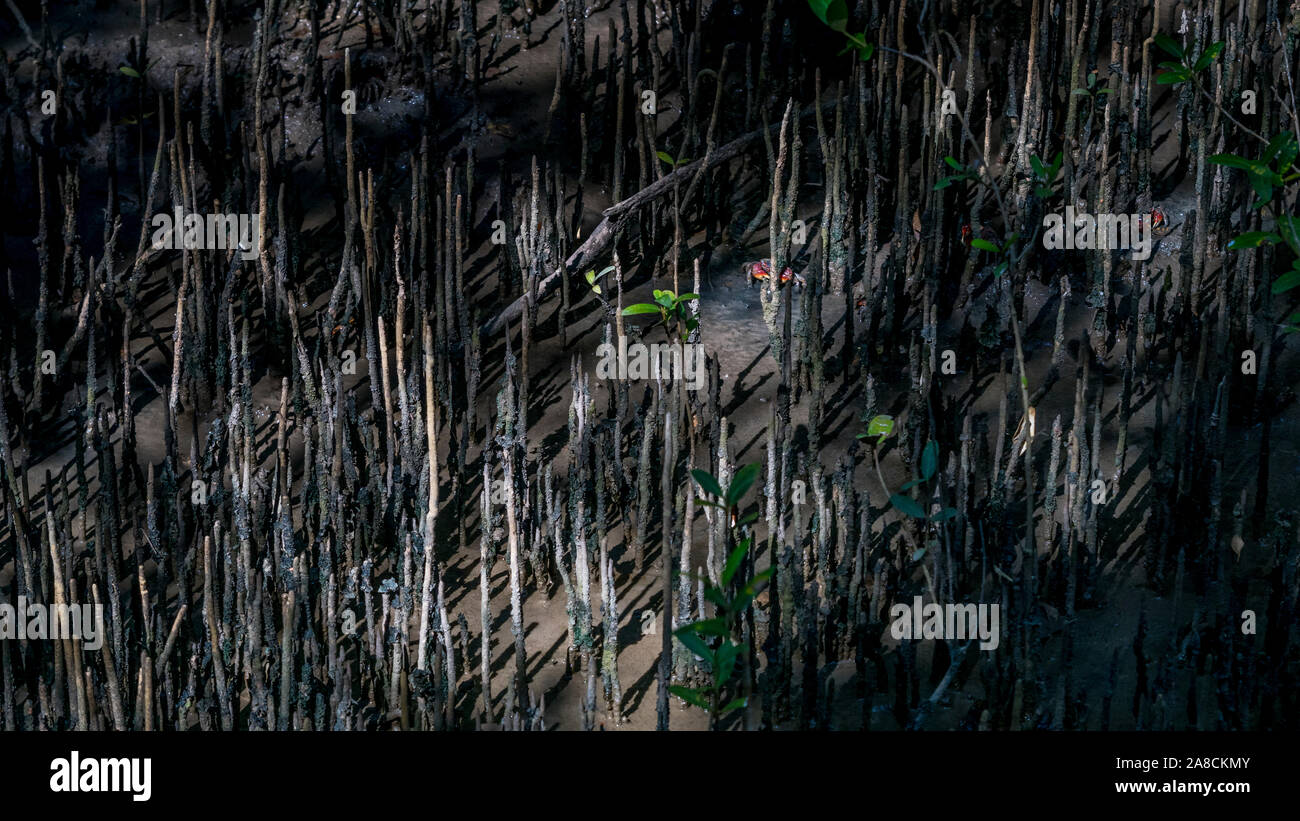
x,y
1252,239
1037,164
880,426
666,157
735,704
714,595
1286,282
710,627
708,482
749,517
1289,227
689,695
1173,77
740,483
929,459
687,297
984,245
945,514
865,52
591,277
952,163
1207,56
1282,148
1230,160
834,13
917,554
725,664
733,561
130,72
640,308
909,485
700,500
694,643
1260,177
907,505
1169,45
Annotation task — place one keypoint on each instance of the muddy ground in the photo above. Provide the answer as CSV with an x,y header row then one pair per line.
x,y
515,95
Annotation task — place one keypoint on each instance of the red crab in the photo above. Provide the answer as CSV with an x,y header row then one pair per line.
x,y
1159,222
762,269
986,233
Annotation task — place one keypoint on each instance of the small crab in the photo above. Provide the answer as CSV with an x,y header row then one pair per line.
x,y
986,233
352,321
1159,222
762,269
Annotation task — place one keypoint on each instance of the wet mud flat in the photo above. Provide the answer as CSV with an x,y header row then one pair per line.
x,y
459,202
